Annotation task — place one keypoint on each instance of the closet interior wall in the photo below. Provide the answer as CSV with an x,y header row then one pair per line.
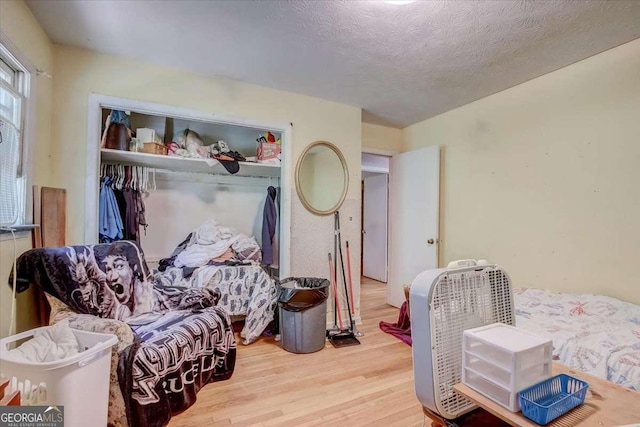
x,y
183,201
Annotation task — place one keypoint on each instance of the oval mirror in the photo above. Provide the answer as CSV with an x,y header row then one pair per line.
x,y
322,178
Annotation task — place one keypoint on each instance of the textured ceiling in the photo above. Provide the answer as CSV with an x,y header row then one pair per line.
x,y
401,64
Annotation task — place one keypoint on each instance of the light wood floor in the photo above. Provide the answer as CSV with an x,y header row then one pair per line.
x,y
366,385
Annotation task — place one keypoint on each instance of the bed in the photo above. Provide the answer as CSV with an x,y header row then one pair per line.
x,y
229,263
246,291
593,333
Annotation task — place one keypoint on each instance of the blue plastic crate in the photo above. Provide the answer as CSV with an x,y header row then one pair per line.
x,y
551,398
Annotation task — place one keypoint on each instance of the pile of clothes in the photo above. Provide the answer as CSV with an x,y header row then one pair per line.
x,y
212,244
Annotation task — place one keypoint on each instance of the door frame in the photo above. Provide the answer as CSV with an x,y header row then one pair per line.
x,y
94,134
378,152
387,225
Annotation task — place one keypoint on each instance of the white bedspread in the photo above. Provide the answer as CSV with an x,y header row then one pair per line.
x,y
593,333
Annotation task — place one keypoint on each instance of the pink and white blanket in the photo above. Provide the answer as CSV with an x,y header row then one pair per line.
x,y
593,333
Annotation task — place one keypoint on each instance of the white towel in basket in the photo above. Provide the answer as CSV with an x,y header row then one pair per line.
x,y
54,343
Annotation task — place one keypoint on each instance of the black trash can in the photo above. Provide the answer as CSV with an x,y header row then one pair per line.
x,y
303,313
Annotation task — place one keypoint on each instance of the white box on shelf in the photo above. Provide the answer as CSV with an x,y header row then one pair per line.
x,y
146,135
499,360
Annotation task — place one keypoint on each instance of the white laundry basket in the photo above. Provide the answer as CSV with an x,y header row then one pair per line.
x,y
80,383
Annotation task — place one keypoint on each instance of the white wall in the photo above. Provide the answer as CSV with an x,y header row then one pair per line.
x,y
20,29
181,203
80,72
381,137
543,177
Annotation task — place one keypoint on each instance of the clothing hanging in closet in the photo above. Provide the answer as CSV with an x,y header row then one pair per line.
x,y
121,208
109,219
269,219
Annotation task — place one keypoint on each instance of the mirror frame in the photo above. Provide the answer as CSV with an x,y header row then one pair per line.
x,y
301,196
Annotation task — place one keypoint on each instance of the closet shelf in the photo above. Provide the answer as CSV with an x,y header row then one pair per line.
x,y
181,164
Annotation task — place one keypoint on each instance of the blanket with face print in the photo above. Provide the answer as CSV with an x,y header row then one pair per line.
x,y
108,280
182,341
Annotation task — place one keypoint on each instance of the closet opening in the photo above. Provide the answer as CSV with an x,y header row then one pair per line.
x,y
174,170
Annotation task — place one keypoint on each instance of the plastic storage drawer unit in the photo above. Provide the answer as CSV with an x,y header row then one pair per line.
x,y
499,360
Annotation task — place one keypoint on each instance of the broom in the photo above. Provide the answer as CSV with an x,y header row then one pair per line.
x,y
346,336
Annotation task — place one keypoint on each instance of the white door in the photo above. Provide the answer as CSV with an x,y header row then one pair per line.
x,y
414,192
375,220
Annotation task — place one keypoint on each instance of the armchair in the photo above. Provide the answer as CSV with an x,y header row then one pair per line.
x,y
171,340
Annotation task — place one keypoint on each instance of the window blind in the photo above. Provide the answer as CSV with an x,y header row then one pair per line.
x,y
9,161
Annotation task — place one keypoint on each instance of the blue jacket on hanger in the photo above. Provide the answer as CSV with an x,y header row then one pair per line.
x,y
109,219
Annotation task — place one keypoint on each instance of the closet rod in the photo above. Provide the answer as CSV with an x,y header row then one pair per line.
x,y
235,181
214,176
170,171
167,175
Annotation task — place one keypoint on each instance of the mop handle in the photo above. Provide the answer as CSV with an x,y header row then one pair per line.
x,y
344,274
353,311
334,286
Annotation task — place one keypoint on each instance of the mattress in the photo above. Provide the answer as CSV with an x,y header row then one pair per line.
x,y
245,290
593,333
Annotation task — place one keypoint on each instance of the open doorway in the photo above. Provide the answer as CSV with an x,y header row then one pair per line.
x,y
412,207
375,217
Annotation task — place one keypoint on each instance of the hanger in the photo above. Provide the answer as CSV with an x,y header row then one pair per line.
x,y
133,173
118,185
129,177
123,176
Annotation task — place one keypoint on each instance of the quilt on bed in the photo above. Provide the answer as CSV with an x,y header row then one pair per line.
x,y
244,289
593,333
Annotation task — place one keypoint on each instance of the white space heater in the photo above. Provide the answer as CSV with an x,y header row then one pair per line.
x,y
445,302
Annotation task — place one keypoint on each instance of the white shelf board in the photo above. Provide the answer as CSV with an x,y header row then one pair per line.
x,y
180,164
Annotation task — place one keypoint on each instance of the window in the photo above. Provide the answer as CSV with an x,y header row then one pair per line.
x,y
13,100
